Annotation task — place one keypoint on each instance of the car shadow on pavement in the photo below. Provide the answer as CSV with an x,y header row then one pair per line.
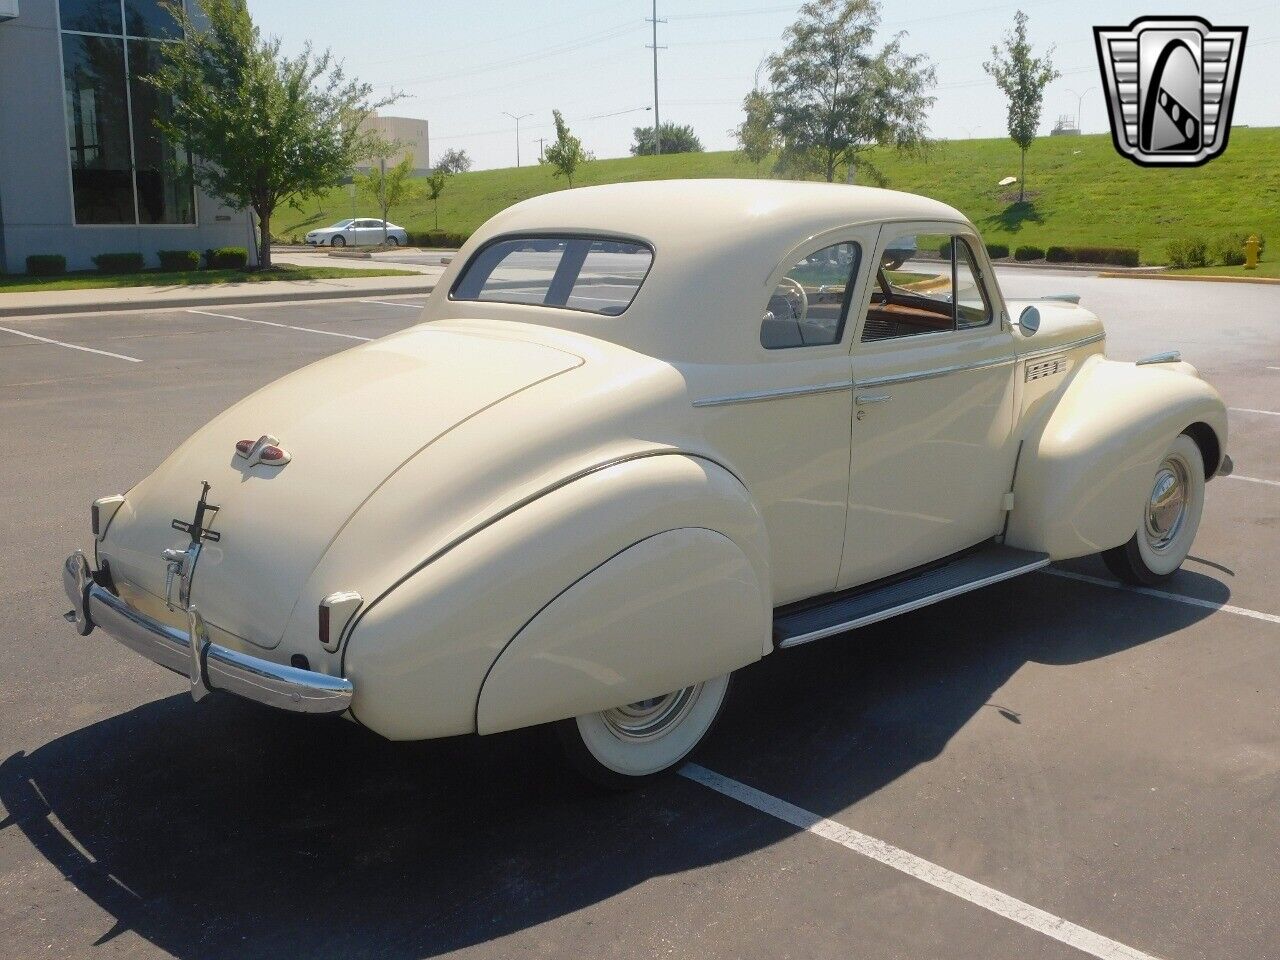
x,y
227,830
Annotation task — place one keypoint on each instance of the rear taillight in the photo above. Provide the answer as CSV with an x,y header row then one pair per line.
x,y
272,454
244,446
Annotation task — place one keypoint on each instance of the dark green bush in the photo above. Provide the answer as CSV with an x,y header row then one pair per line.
x,y
1115,256
997,250
119,262
1023,254
1184,252
944,250
227,258
46,264
443,239
173,261
1059,255
1229,248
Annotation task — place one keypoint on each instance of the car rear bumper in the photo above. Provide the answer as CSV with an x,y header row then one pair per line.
x,y
208,666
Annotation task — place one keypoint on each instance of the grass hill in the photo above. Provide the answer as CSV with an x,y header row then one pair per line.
x,y
1080,191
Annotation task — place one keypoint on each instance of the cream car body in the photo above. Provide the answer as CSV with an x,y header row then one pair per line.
x,y
528,513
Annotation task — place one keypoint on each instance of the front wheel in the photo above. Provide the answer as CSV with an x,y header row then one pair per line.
x,y
627,746
338,242
392,242
1170,518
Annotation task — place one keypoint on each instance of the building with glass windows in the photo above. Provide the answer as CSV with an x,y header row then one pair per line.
x,y
83,169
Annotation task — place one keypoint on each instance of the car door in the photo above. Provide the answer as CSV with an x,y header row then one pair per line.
x,y
932,451
365,232
782,420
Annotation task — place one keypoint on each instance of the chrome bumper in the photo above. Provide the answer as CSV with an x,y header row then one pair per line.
x,y
207,665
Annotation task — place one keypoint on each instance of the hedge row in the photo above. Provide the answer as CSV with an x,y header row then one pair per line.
x,y
438,238
1116,256
1227,250
171,261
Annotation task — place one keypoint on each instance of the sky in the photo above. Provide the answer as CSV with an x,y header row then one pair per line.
x,y
464,64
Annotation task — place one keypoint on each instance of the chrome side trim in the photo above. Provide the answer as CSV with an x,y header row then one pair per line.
x,y
1062,347
879,615
931,374
208,666
755,396
1171,356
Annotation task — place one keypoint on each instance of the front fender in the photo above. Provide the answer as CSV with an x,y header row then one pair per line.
x,y
1088,458
419,656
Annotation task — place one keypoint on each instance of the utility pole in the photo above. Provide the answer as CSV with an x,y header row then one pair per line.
x,y
657,120
1080,104
541,146
517,120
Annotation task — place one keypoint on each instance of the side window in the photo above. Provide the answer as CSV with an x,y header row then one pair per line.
x,y
809,305
925,283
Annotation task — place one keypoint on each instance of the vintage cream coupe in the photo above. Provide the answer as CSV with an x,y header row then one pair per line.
x,y
645,435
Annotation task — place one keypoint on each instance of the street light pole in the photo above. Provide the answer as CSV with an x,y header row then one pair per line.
x,y
1080,104
517,120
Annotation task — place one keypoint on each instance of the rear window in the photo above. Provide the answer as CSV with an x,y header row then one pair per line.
x,y
592,274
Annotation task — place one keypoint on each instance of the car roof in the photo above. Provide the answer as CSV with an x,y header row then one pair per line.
x,y
716,243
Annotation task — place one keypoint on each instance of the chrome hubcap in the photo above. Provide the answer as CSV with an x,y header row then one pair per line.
x,y
1167,506
649,719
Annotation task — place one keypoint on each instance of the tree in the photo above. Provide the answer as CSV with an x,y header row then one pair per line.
x,y
454,161
673,140
755,135
435,186
834,95
388,186
1023,78
565,153
264,128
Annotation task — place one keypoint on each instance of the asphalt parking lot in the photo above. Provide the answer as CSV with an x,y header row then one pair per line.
x,y
1052,767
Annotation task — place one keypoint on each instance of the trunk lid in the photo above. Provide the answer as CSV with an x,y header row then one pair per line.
x,y
348,423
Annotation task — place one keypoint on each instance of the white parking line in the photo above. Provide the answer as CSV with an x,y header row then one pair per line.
x,y
388,303
1001,904
70,346
1273,368
1270,483
1269,413
1164,595
283,326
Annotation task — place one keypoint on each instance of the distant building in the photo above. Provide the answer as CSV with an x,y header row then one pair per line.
x,y
411,133
83,170
1065,127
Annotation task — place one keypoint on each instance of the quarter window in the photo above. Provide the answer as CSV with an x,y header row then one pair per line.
x,y
926,283
576,273
810,303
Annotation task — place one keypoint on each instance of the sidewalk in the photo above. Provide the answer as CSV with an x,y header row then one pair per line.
x,y
170,297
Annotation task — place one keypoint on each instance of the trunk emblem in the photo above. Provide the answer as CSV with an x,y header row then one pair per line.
x,y
265,450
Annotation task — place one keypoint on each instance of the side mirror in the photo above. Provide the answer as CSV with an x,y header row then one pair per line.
x,y
1029,320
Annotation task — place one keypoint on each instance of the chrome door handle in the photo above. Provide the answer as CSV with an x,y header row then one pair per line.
x,y
865,399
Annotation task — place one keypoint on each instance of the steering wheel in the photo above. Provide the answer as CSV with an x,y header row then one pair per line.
x,y
797,301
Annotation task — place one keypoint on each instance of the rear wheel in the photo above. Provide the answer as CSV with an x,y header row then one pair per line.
x,y
625,747
1170,518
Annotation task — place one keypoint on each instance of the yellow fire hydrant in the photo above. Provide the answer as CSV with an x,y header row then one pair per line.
x,y
1251,253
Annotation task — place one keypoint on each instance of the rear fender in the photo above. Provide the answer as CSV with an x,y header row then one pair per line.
x,y
419,656
1088,458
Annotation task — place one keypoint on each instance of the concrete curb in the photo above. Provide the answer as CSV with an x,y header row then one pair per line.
x,y
172,303
1207,278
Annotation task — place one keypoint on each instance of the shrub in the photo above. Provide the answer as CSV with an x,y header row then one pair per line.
x,y
1116,256
173,261
227,258
438,238
1023,254
944,250
46,264
119,262
997,250
1059,255
1183,253
1229,248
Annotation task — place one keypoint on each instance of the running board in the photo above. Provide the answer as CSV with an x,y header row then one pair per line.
x,y
982,568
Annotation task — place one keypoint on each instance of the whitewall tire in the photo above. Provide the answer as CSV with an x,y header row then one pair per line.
x,y
626,746
1170,518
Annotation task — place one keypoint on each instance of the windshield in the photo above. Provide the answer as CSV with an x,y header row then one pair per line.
x,y
591,274
341,225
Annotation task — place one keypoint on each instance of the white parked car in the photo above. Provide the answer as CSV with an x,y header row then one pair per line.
x,y
358,233
645,435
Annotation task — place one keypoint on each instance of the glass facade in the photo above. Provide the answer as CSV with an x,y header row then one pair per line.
x,y
123,169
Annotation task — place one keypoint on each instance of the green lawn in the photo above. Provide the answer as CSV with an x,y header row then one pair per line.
x,y
90,280
1081,191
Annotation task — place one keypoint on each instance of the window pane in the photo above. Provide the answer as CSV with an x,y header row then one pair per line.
x,y
913,292
94,16
165,188
972,308
98,129
809,306
598,276
147,18
610,276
